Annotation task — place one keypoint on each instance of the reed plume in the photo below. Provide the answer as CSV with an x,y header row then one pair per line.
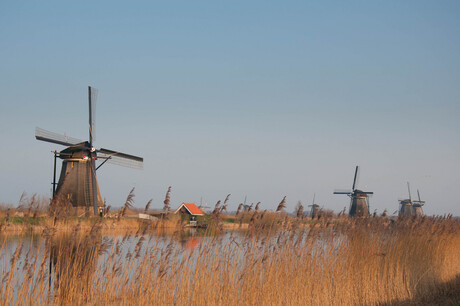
x,y
22,200
167,200
128,204
299,210
281,205
226,199
240,207
148,205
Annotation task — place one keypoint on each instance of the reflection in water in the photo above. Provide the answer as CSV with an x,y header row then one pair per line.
x,y
57,267
188,239
192,243
73,257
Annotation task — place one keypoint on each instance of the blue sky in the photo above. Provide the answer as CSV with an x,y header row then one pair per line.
x,y
254,98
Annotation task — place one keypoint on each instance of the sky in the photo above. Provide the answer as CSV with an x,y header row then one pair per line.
x,y
257,99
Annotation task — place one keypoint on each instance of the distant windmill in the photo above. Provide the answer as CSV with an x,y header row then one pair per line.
x,y
77,181
314,208
417,206
359,199
406,207
204,207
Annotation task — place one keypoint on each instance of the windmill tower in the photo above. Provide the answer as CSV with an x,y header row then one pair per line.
x,y
417,206
359,204
314,208
406,206
77,181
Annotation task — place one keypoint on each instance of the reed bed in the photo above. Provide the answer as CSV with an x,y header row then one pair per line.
x,y
372,261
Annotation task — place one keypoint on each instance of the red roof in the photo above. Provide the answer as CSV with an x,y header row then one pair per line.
x,y
192,209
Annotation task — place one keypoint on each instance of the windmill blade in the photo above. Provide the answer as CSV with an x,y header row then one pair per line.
x,y
121,159
418,193
119,154
342,191
92,98
93,192
408,188
44,135
354,180
368,192
314,195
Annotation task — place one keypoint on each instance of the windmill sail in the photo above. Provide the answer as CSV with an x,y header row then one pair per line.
x,y
121,159
92,98
44,135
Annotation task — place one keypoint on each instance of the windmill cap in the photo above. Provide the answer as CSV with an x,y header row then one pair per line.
x,y
364,192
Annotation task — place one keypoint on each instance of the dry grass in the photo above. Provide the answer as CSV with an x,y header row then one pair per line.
x,y
345,262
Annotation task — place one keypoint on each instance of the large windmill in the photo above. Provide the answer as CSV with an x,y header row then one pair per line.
x,y
406,205
359,199
417,206
77,181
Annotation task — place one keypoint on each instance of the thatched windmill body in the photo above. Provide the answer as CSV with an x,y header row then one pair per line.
x,y
406,205
77,181
359,200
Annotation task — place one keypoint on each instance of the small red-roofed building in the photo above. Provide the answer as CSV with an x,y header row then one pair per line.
x,y
189,209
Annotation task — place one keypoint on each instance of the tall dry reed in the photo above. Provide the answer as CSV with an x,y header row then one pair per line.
x,y
345,262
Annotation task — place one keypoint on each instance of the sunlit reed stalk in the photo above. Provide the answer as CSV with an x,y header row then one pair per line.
x,y
328,261
167,200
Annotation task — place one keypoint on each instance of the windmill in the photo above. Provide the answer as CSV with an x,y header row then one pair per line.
x,y
314,208
406,207
359,204
417,206
77,181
